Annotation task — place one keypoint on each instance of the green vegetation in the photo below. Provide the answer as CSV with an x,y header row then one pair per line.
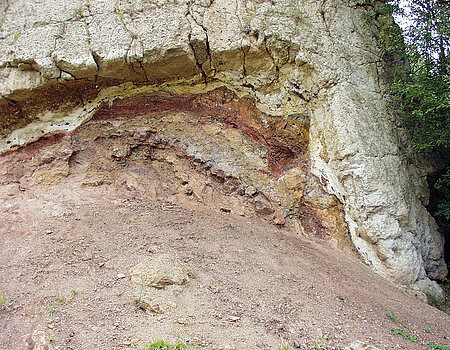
x,y
284,346
51,311
320,347
437,346
392,315
395,318
408,287
404,334
78,12
422,96
141,293
409,333
15,36
3,300
63,300
163,345
58,305
74,292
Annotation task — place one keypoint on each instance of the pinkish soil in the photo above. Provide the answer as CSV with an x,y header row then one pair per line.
x,y
252,284
76,215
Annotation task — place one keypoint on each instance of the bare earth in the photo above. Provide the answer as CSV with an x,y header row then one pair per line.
x,y
66,248
76,216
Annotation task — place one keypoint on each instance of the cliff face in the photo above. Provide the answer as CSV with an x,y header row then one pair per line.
x,y
279,102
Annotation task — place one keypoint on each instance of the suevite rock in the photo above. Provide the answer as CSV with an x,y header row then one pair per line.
x,y
297,86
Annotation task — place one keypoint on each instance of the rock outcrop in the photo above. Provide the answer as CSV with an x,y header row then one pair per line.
x,y
282,102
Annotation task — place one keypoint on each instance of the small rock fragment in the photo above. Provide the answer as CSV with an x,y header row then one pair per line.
x,y
37,341
359,345
297,345
278,217
262,205
158,301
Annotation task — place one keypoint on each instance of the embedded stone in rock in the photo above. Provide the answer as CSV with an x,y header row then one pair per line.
x,y
429,288
159,272
316,197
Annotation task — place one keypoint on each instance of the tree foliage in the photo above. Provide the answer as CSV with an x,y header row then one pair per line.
x,y
423,95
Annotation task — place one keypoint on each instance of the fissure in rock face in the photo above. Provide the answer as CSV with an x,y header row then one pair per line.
x,y
279,106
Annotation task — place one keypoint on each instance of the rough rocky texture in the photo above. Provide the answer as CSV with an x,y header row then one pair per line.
x,y
37,341
159,272
158,281
304,63
203,143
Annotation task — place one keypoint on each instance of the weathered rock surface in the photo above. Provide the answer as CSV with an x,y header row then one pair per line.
x,y
300,123
38,340
158,280
159,272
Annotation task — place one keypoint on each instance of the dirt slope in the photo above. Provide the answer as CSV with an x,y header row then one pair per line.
x,y
66,251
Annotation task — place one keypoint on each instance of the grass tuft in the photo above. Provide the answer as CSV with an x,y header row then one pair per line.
x,y
3,300
438,347
161,344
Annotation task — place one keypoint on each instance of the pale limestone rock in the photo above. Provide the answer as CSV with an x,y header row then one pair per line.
x,y
163,33
110,42
73,53
18,81
47,67
429,289
103,6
